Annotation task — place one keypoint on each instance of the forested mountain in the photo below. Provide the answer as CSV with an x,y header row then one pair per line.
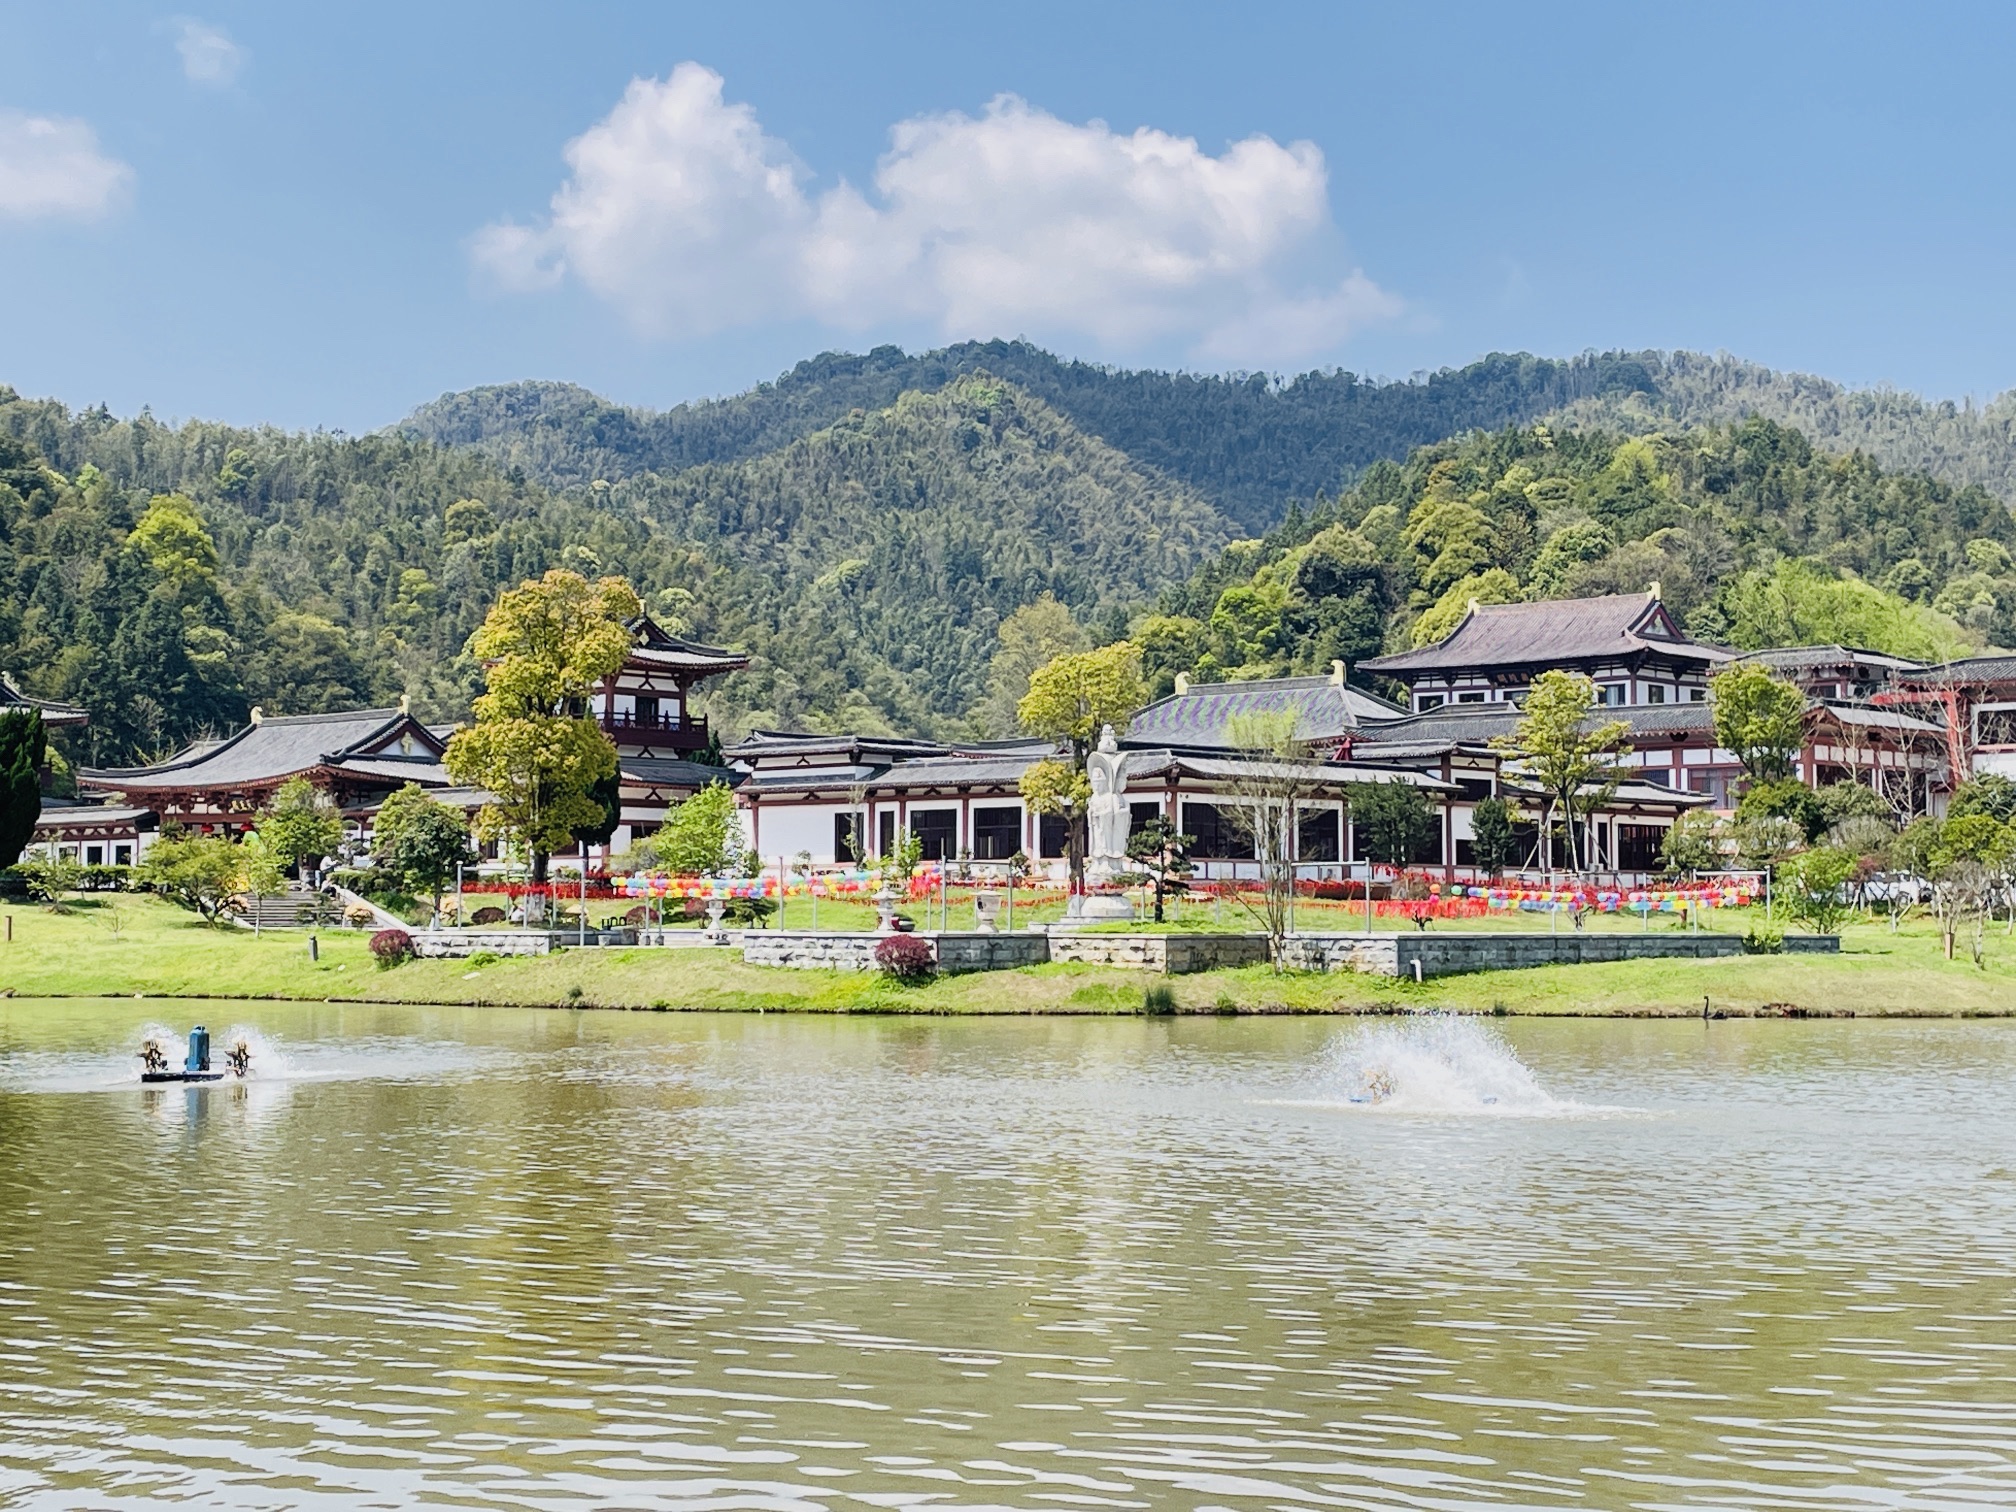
x,y
1956,442
1247,444
171,578
1754,537
895,540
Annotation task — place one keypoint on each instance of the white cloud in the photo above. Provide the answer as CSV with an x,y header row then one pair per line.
x,y
50,166
209,56
680,210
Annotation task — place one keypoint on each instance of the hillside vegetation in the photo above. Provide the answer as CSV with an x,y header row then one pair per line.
x,y
1956,442
897,540
169,579
1753,536
1246,444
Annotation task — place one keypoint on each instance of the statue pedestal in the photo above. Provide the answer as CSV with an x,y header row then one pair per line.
x,y
1100,908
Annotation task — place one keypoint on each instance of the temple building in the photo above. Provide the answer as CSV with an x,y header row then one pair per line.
x,y
358,757
843,799
645,713
1626,643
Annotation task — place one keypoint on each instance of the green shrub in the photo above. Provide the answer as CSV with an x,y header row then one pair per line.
x,y
1159,1000
1763,939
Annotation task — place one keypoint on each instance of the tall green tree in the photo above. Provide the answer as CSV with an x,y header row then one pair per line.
x,y
1573,757
1392,821
22,746
1491,838
1759,719
703,836
421,842
302,825
1032,637
546,647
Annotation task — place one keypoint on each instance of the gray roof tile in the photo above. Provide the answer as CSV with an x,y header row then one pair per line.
x,y
1551,632
1199,717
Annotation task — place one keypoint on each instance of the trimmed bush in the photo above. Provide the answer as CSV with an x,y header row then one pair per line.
x,y
390,947
489,914
906,958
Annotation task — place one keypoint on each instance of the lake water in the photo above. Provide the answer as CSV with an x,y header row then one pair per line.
x,y
546,1260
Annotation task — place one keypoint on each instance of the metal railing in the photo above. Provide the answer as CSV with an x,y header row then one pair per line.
x,y
688,731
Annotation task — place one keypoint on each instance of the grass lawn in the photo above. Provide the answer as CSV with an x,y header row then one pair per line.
x,y
128,945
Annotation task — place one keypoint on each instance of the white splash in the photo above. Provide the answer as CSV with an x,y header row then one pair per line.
x,y
1439,1063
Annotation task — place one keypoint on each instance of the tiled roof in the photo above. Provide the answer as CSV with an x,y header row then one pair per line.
x,y
1200,716
274,748
1479,724
1793,658
770,745
1549,633
53,713
1315,773
57,816
1971,669
658,647
1880,718
670,771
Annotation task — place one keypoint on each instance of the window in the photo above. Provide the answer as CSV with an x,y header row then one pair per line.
x,y
1995,727
1638,847
1050,837
647,710
1697,695
1217,837
1316,835
844,829
1423,702
94,855
937,831
1611,694
1469,698
997,832
122,855
1655,693
1141,815
885,832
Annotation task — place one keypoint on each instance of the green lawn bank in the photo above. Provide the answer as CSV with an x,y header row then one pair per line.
x,y
127,945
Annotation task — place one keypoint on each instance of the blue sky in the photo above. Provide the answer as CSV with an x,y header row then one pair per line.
x,y
324,217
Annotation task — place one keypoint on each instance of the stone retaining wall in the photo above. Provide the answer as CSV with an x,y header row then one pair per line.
x,y
1384,953
957,952
1169,954
1446,954
456,944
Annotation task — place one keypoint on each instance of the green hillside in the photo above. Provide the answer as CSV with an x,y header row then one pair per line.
x,y
1247,444
1754,536
866,566
868,527
1956,442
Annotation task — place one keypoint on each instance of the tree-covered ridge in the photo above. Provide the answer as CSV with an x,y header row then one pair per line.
x,y
1956,442
1753,536
1247,443
170,578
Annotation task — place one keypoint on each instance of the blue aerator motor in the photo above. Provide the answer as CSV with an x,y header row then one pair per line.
x,y
199,1050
